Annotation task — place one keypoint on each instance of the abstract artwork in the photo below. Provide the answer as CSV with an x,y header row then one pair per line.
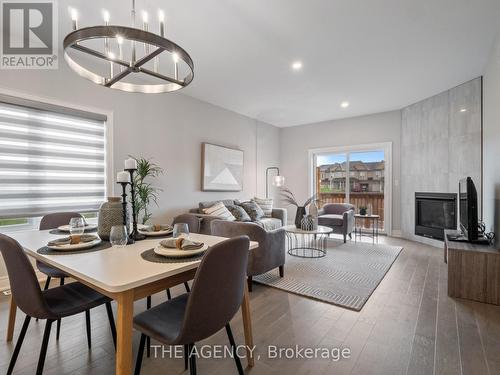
x,y
222,168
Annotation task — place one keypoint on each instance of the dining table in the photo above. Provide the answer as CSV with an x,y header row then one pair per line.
x,y
121,274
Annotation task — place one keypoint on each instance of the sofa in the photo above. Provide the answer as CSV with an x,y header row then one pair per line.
x,y
339,217
271,251
277,220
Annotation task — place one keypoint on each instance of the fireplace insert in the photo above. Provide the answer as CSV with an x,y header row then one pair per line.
x,y
435,212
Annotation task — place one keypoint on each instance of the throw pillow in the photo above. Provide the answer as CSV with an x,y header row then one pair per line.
x,y
219,210
238,212
253,210
266,204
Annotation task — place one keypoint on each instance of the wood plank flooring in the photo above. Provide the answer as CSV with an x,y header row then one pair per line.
x,y
408,326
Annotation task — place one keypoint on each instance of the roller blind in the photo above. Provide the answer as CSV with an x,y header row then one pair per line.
x,y
51,159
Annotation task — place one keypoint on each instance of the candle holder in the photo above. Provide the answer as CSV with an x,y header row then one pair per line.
x,y
135,233
130,240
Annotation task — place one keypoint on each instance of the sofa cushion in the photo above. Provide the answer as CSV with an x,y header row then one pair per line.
x,y
253,210
266,204
219,210
331,220
269,223
208,204
238,212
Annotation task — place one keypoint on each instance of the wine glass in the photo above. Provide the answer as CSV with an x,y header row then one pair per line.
x,y
180,230
118,235
76,226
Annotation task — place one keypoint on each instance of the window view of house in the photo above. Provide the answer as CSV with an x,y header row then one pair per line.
x,y
362,172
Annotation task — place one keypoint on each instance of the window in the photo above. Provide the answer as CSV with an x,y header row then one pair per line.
x,y
51,159
359,178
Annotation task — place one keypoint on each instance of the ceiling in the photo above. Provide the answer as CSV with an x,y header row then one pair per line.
x,y
379,55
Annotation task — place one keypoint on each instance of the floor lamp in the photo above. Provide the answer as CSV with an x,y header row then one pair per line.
x,y
278,180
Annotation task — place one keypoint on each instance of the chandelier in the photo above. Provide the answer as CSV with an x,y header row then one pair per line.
x,y
128,58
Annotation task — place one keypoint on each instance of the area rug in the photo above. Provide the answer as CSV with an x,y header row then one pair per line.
x,y
346,276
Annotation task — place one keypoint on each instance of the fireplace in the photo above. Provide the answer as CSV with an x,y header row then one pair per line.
x,y
435,212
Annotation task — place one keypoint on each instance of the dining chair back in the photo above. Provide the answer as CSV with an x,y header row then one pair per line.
x,y
51,221
216,295
217,290
23,282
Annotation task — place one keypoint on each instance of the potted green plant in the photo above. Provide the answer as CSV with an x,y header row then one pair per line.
x,y
145,192
362,210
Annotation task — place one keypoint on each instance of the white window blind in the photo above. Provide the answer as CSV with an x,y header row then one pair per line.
x,y
51,159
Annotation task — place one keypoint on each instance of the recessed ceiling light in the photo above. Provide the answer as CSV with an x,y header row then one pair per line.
x,y
463,110
344,104
297,65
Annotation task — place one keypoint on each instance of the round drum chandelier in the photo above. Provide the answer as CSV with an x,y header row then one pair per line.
x,y
128,58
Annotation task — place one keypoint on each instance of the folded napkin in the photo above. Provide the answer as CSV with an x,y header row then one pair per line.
x,y
181,244
156,228
67,240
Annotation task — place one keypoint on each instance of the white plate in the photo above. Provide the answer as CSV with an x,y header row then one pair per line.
x,y
78,246
176,253
156,234
66,228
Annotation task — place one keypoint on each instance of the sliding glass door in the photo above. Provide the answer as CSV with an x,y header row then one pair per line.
x,y
355,175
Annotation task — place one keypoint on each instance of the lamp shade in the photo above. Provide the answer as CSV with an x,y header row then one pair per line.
x,y
278,180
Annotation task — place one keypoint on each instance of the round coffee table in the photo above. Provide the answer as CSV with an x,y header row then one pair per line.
x,y
307,243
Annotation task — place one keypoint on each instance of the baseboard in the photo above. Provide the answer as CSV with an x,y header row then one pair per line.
x,y
396,233
5,285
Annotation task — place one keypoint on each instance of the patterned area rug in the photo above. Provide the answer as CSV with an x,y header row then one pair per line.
x,y
346,276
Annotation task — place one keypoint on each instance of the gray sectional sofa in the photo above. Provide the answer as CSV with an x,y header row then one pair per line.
x,y
278,219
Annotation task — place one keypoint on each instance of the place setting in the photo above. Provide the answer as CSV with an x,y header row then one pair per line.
x,y
177,249
76,240
66,229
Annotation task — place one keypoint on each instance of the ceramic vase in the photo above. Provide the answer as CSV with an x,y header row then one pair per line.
x,y
110,214
301,211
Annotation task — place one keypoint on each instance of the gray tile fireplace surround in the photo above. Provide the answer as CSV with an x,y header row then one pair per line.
x,y
440,144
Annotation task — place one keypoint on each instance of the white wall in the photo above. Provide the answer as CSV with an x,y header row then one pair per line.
x,y
167,127
491,141
376,128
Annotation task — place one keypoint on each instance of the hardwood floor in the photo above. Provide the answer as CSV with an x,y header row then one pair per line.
x,y
408,326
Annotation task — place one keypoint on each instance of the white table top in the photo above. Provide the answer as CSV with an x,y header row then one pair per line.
x,y
114,269
320,230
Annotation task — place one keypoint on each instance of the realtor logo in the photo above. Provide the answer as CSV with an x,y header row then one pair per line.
x,y
29,35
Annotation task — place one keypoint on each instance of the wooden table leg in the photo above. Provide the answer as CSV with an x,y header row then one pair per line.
x,y
124,332
247,325
12,318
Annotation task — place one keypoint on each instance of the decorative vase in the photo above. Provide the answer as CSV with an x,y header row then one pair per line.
x,y
362,211
307,222
313,211
110,214
301,211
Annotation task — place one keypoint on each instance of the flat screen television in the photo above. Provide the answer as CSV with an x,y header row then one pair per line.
x,y
467,196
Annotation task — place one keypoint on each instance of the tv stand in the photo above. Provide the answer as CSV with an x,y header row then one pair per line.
x,y
473,270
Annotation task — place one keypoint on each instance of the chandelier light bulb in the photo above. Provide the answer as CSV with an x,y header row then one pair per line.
x,y
105,16
145,16
175,57
111,55
161,15
119,39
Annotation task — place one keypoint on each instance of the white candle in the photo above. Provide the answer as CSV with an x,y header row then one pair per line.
x,y
130,164
123,176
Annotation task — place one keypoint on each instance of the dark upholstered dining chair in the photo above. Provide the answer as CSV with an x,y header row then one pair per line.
x,y
52,221
193,224
52,304
215,297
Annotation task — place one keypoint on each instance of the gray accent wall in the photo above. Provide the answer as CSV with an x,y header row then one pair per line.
x,y
440,144
491,128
